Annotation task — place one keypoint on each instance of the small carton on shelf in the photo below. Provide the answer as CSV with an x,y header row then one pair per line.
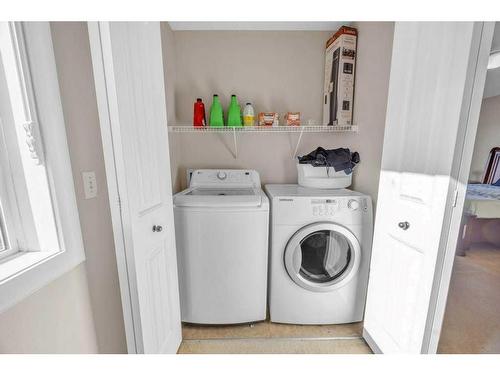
x,y
292,118
268,119
340,64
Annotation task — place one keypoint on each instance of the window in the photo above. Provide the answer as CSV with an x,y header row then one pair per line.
x,y
3,235
40,234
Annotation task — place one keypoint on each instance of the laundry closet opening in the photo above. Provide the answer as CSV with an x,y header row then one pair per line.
x,y
280,70
475,278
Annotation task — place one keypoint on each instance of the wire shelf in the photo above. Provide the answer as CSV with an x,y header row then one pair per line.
x,y
266,129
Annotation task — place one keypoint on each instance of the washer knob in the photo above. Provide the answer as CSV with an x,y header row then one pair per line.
x,y
353,204
221,175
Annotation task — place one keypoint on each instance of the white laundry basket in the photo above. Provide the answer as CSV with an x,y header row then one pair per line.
x,y
322,177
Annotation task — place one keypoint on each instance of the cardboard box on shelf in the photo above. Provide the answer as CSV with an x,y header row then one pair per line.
x,y
340,65
268,119
292,118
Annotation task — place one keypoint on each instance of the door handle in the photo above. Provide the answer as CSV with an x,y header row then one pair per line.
x,y
157,228
404,225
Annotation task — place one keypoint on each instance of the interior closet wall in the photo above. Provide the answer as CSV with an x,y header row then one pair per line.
x,y
276,71
487,137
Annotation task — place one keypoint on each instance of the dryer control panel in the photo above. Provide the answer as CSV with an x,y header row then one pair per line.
x,y
295,205
329,207
324,207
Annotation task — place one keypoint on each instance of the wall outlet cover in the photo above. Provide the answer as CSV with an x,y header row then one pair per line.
x,y
89,184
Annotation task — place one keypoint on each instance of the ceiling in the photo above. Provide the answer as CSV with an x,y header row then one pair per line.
x,y
257,26
492,86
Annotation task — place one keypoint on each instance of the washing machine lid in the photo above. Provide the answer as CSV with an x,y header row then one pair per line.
x,y
219,197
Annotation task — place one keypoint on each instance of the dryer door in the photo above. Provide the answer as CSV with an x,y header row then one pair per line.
x,y
322,256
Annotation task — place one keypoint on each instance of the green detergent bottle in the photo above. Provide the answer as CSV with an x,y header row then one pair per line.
x,y
216,113
234,113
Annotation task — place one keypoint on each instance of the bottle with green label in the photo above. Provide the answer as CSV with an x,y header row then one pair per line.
x,y
216,113
234,113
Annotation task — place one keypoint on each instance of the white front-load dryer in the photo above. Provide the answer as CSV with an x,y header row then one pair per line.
x,y
320,254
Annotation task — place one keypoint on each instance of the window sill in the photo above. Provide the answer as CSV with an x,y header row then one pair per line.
x,y
22,261
24,273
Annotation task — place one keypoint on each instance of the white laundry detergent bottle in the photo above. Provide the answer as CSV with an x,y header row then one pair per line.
x,y
248,115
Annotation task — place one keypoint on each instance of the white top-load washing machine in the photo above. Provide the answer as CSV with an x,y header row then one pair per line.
x,y
320,254
221,227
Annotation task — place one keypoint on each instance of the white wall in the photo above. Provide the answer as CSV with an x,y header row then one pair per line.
x,y
277,71
81,311
55,319
169,66
76,81
487,137
492,85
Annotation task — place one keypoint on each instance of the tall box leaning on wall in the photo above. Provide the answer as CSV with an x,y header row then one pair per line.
x,y
340,64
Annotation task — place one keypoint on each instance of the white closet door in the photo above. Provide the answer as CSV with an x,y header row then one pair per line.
x,y
128,70
433,73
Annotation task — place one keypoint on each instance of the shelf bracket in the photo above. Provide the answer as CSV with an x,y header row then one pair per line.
x,y
298,143
235,154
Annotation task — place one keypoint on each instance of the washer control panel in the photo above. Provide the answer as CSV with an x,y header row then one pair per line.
x,y
210,178
221,175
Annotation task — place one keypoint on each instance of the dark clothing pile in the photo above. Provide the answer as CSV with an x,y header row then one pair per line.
x,y
341,159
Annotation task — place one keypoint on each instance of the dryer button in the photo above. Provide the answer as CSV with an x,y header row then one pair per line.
x,y
353,204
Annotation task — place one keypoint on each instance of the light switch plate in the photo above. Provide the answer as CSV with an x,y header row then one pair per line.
x,y
89,184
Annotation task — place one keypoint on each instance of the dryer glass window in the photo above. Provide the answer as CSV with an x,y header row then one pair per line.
x,y
325,256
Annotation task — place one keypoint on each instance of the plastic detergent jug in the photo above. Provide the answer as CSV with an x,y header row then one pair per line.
x,y
216,113
234,113
248,115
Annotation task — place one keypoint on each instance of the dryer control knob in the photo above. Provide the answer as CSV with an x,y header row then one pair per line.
x,y
221,175
353,204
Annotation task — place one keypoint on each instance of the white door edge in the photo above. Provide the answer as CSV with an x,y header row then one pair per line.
x,y
112,184
371,343
148,279
469,117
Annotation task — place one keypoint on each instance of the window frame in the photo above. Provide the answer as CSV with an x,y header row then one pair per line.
x,y
24,272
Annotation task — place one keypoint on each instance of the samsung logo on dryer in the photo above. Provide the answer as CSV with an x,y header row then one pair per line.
x,y
286,199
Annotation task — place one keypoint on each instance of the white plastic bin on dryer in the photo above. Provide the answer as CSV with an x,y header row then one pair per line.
x,y
322,177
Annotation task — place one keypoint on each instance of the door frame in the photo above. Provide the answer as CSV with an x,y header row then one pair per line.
x,y
115,177
464,148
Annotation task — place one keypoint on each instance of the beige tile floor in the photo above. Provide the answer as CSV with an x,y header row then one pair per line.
x,y
275,346
267,337
267,329
472,318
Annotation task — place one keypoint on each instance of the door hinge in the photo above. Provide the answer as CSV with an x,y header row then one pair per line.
x,y
455,198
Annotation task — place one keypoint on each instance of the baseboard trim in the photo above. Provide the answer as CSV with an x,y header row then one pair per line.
x,y
371,343
277,338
